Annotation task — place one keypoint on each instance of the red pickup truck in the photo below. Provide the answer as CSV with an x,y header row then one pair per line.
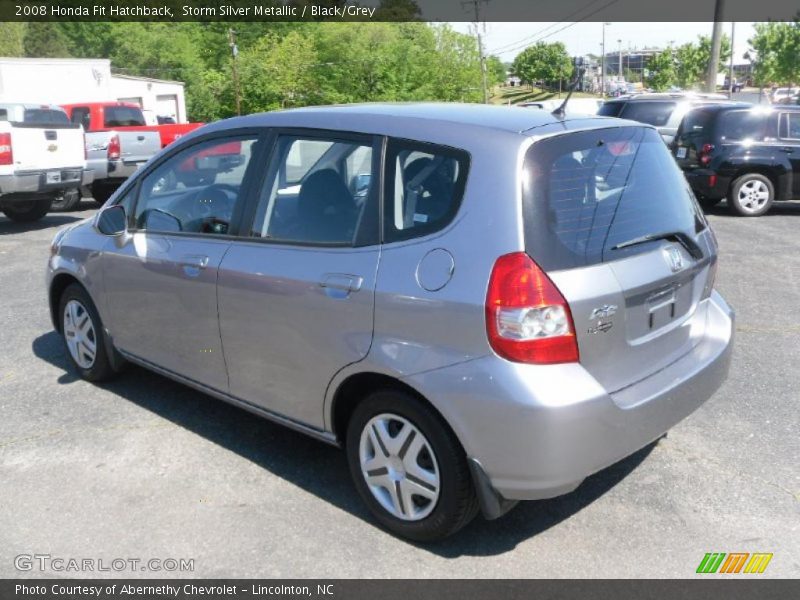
x,y
123,116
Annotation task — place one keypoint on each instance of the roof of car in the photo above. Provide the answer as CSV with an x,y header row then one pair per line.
x,y
677,96
368,117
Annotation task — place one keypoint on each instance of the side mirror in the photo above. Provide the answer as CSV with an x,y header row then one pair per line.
x,y
112,220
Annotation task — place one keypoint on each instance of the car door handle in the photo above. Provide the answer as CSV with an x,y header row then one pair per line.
x,y
341,282
787,149
192,265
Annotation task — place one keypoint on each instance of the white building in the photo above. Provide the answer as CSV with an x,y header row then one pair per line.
x,y
71,80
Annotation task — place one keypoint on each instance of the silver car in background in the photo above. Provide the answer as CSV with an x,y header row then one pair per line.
x,y
480,304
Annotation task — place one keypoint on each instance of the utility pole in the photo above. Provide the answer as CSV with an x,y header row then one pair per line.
x,y
234,55
476,6
730,73
603,63
716,42
620,59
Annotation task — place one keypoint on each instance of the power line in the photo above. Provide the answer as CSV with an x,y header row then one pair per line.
x,y
533,35
567,26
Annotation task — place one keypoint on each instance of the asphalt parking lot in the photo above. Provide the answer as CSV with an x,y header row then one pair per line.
x,y
146,468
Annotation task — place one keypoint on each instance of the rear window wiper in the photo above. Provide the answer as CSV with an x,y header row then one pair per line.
x,y
682,238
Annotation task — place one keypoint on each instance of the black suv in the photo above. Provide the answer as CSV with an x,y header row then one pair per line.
x,y
751,156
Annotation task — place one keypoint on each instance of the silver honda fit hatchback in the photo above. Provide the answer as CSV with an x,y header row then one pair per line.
x,y
479,304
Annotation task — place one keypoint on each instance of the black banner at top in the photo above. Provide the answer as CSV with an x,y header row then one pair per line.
x,y
396,10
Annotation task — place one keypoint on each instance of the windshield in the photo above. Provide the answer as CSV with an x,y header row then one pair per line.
x,y
587,192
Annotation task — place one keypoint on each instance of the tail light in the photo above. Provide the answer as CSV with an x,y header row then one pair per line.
x,y
114,148
705,153
6,151
527,318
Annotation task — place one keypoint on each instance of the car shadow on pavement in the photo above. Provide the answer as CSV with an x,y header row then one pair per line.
x,y
9,227
319,468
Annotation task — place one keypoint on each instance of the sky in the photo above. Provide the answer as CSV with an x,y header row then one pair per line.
x,y
506,40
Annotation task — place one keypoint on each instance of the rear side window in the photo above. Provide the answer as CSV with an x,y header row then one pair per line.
x,y
738,125
424,185
611,109
652,113
122,116
80,116
584,193
790,126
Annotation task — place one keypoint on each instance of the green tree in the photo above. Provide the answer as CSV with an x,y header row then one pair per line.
x,y
542,61
691,60
12,39
45,40
661,69
776,47
495,71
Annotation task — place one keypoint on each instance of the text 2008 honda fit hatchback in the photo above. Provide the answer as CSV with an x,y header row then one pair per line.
x,y
480,304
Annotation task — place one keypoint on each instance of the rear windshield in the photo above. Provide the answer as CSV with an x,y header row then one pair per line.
x,y
610,109
122,116
737,125
652,113
45,116
586,192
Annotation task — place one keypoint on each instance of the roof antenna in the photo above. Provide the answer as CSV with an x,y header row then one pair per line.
x,y
561,110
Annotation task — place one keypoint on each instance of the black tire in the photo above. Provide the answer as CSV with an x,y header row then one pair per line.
x,y
457,503
28,212
67,200
101,368
708,204
102,192
737,197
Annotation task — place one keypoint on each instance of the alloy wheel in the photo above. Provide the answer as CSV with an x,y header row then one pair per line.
x,y
753,195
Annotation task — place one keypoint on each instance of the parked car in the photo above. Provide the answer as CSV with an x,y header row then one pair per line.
x,y
662,110
749,155
783,95
41,157
331,282
117,142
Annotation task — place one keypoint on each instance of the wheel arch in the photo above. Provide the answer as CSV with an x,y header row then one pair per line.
x,y
780,179
60,282
357,386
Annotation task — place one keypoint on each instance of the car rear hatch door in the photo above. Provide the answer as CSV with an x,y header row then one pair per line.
x,y
46,140
610,218
138,146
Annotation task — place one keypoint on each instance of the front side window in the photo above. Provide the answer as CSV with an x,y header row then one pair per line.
x,y
319,191
424,187
196,190
652,113
790,125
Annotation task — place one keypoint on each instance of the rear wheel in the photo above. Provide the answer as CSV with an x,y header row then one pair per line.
x,y
82,333
751,195
67,200
28,211
708,203
409,468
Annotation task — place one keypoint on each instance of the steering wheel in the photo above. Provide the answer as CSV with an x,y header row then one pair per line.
x,y
214,201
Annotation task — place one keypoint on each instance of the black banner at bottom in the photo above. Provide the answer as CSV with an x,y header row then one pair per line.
x,y
399,589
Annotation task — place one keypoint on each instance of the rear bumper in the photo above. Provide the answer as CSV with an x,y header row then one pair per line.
x,y
122,169
35,183
538,431
707,183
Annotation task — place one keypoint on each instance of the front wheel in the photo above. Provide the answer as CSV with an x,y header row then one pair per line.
x,y
751,195
409,468
82,332
29,211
